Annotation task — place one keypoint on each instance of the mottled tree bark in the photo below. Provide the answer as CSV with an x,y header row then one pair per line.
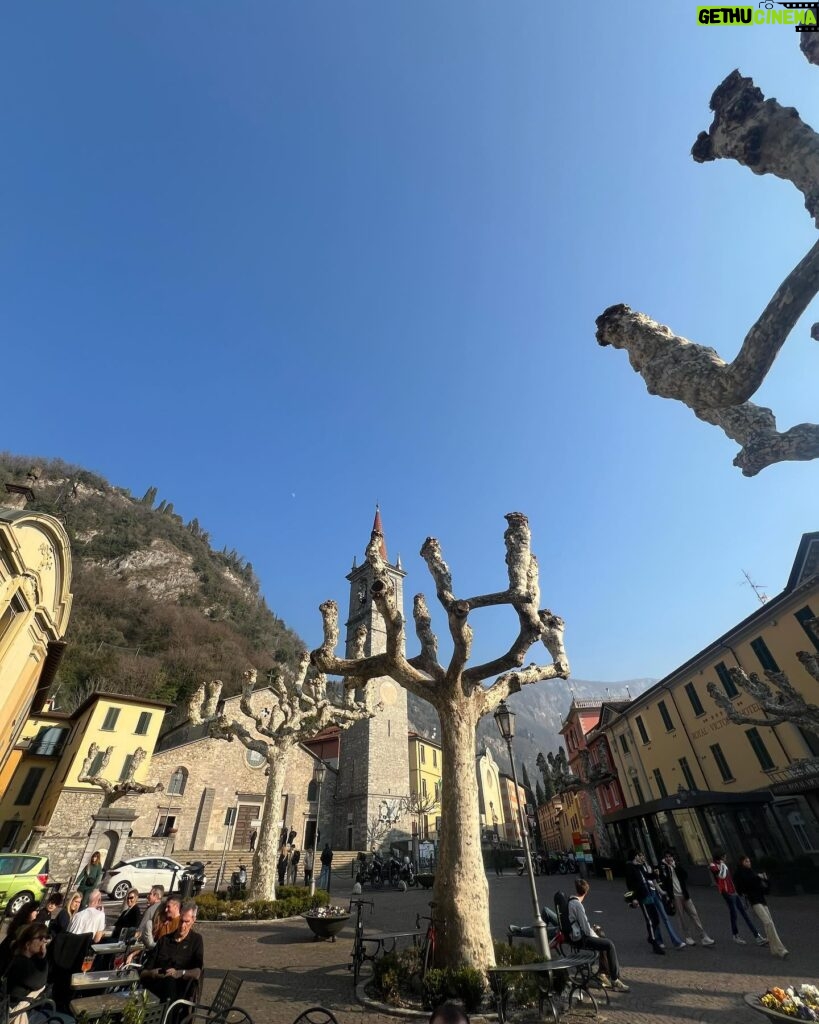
x,y
768,139
458,695
299,710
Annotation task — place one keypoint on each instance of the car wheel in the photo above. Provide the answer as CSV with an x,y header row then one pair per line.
x,y
120,890
17,902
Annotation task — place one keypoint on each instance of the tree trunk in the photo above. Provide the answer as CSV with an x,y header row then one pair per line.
x,y
461,890
263,876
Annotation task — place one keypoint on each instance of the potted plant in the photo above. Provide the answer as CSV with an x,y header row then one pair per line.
x,y
326,922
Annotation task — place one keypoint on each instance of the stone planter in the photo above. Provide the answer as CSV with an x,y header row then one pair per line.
x,y
426,881
325,927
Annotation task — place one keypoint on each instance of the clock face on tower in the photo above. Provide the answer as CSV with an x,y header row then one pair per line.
x,y
388,692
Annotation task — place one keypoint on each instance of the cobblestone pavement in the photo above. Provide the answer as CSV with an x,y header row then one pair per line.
x,y
285,971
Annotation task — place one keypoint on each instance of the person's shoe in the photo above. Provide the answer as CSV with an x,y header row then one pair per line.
x,y
738,939
679,945
690,942
760,941
707,940
659,950
621,986
604,980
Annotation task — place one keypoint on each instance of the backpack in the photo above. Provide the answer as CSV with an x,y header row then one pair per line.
x,y
562,911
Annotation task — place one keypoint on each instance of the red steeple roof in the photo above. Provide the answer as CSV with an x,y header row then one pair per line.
x,y
379,529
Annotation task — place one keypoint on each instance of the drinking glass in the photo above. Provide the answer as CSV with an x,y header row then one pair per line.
x,y
87,964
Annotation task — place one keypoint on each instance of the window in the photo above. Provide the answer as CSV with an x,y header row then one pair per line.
x,y
606,802
15,607
312,789
96,764
693,696
176,787
811,741
658,779
685,768
143,723
423,753
638,792
110,720
163,827
48,741
623,743
759,748
423,787
725,678
722,764
766,659
8,834
29,787
669,725
803,617
642,729
434,758
126,767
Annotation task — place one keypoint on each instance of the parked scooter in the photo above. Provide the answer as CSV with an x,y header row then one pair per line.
x,y
407,873
195,871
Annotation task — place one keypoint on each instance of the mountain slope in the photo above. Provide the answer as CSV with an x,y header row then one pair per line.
x,y
156,610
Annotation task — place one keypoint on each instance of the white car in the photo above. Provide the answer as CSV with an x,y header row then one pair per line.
x,y
141,873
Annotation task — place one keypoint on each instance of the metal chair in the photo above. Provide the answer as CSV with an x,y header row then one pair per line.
x,y
315,1015
220,1011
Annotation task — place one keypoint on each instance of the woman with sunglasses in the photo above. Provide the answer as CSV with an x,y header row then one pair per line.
x,y
130,916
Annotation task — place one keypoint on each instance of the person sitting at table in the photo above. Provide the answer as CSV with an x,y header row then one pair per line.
x,y
166,921
25,915
174,966
91,920
585,937
51,914
145,931
130,916
27,974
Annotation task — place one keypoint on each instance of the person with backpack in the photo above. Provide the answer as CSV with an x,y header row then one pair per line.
x,y
754,887
641,896
582,935
727,889
673,881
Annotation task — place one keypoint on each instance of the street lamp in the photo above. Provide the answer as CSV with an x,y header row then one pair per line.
x,y
319,772
506,725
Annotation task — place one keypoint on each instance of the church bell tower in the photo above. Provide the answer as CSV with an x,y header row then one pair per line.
x,y
374,760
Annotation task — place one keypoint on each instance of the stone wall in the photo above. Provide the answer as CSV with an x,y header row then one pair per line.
x,y
66,836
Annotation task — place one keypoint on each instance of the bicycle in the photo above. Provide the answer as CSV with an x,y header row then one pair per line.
x,y
359,952
427,954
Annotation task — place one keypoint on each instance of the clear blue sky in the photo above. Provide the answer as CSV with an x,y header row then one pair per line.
x,y
282,260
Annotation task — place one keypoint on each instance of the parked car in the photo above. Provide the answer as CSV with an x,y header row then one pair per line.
x,y
23,879
141,873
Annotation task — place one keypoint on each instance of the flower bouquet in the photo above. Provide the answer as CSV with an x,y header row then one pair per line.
x,y
792,1003
326,922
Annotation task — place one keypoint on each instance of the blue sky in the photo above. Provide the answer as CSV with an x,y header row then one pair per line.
x,y
282,260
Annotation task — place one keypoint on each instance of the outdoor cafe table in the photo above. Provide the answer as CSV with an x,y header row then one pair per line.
x,y
577,964
116,948
108,1004
91,980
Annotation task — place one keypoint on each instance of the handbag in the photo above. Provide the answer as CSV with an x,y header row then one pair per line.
x,y
668,903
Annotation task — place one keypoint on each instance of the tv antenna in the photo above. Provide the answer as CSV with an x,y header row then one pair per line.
x,y
761,596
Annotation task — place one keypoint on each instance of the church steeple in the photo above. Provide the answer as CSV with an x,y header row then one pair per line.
x,y
379,529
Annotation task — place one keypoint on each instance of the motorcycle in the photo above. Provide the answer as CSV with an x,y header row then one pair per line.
x,y
371,873
195,872
394,871
238,884
407,873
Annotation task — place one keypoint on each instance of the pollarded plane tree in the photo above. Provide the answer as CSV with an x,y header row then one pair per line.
x,y
767,138
778,698
93,766
297,711
460,698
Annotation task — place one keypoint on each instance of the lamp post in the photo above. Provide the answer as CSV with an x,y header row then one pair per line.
x,y
505,720
318,776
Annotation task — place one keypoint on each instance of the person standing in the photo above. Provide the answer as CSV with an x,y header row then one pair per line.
x,y
727,889
282,864
89,878
308,867
754,887
673,881
253,837
583,935
642,897
295,857
497,860
326,867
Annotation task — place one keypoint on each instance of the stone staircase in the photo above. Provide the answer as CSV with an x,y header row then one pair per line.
x,y
342,879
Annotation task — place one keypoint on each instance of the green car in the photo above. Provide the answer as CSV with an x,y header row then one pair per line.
x,y
23,879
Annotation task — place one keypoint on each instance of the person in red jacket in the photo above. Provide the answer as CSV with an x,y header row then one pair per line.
x,y
725,885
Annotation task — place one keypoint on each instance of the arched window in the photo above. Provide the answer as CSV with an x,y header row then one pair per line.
x,y
179,779
312,790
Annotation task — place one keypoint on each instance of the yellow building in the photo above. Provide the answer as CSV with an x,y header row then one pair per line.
x,y
425,778
695,780
45,805
490,798
35,603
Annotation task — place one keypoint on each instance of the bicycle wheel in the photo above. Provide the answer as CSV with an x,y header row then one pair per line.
x,y
428,954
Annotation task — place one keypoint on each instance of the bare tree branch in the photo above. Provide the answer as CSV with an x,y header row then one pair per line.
x,y
427,660
778,699
115,790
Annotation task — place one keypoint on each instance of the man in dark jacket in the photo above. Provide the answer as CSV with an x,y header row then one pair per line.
x,y
643,897
174,966
673,879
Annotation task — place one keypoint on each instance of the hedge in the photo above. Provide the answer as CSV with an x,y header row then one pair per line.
x,y
293,900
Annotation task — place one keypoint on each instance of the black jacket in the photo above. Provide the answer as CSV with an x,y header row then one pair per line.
x,y
748,883
636,882
667,883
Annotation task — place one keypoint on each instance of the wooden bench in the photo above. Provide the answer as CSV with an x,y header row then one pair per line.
x,y
578,966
